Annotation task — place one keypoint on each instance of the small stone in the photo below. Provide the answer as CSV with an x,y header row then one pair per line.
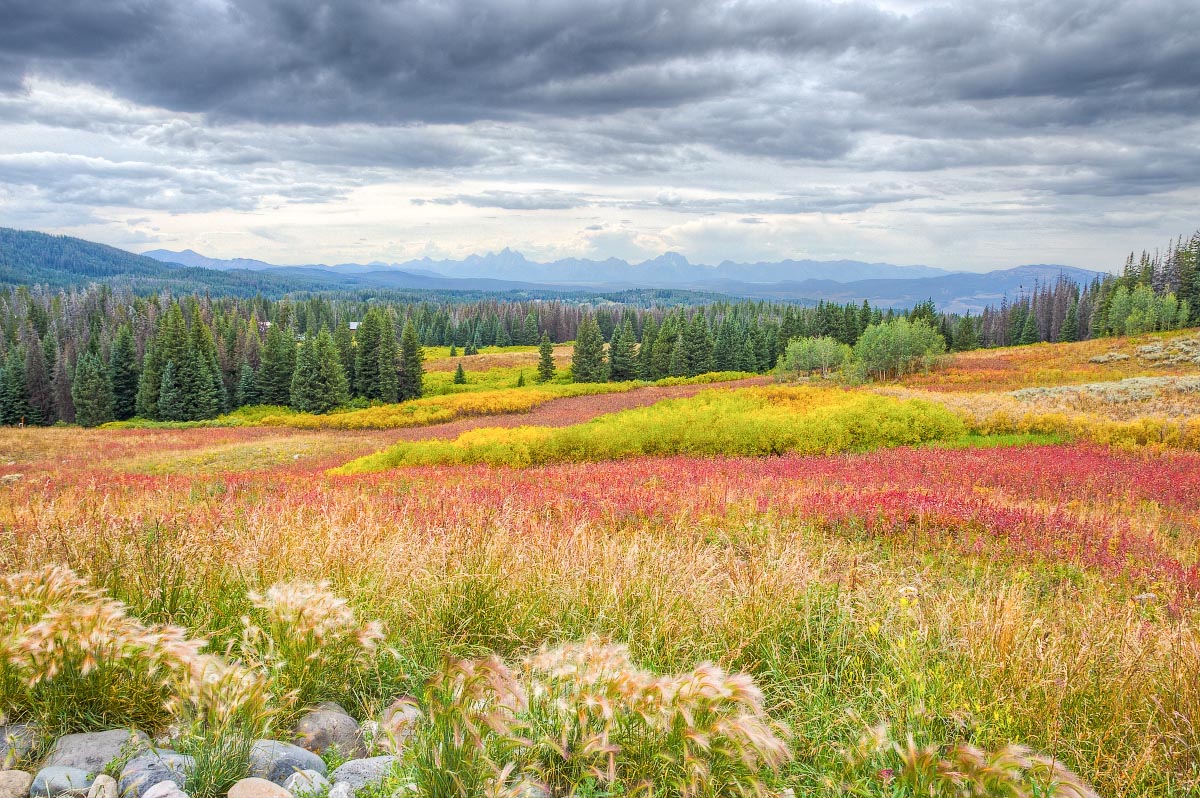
x,y
164,789
60,780
275,761
1145,598
341,790
399,721
358,773
16,741
330,727
15,783
103,787
306,782
257,788
153,767
94,750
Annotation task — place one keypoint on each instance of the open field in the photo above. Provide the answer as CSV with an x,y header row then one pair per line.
x,y
983,588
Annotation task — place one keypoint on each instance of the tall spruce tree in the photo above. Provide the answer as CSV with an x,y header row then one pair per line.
x,y
124,374
319,381
343,339
91,393
366,362
64,406
1070,327
172,396
622,355
646,349
38,389
246,392
546,369
412,364
587,362
278,365
388,359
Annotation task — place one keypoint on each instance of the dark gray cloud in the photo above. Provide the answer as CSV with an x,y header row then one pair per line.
x,y
757,109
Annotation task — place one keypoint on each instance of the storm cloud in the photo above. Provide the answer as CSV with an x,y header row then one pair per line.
x,y
886,115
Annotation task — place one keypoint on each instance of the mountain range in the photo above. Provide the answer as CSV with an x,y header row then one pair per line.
x,y
882,284
29,258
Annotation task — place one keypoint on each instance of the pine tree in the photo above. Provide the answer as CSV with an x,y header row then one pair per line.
x,y
697,347
622,355
246,392
343,339
460,376
319,381
453,350
587,362
38,390
546,369
64,406
124,374
1029,331
388,362
646,349
529,330
1070,327
678,366
521,380
91,393
366,357
14,403
412,364
278,365
172,398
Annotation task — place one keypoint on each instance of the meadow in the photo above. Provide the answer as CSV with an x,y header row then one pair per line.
x,y
838,590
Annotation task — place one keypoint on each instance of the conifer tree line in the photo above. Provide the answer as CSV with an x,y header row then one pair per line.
x,y
97,355
100,354
1153,292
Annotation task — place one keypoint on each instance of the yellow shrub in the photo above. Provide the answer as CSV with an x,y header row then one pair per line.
x,y
749,422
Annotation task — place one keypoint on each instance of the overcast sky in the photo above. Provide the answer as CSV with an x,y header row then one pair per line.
x,y
969,135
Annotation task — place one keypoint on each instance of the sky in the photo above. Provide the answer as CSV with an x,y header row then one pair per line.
x,y
964,135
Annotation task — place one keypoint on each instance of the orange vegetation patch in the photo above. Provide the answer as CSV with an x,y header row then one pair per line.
x,y
1046,365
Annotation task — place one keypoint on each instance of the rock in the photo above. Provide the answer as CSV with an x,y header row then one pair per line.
x,y
16,741
358,773
399,722
275,761
15,783
306,782
153,767
93,750
60,780
103,787
341,790
164,789
327,727
257,788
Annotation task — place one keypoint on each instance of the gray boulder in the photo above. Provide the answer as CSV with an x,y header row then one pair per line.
x,y
103,787
306,782
154,767
275,761
257,788
61,780
330,726
16,741
164,789
15,783
358,773
93,750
